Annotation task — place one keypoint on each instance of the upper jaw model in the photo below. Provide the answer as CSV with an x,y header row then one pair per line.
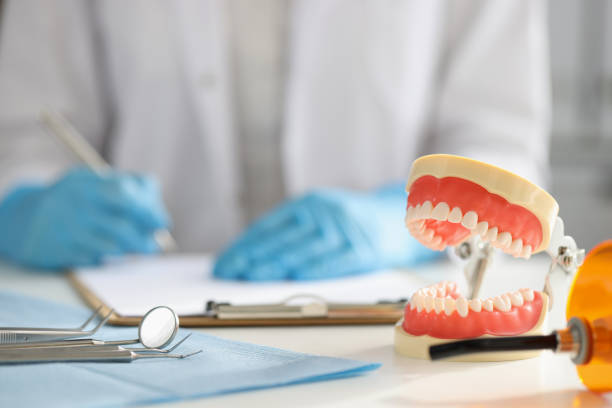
x,y
470,205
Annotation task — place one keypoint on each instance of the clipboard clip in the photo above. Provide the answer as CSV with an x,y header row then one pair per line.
x,y
311,306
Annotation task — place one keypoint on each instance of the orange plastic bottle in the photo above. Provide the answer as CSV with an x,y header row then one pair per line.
x,y
590,299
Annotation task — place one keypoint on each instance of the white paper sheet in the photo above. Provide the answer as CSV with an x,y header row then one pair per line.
x,y
185,283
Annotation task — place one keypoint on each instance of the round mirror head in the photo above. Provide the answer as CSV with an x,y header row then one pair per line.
x,y
158,327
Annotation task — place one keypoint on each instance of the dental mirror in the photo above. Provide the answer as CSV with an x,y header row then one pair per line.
x,y
158,327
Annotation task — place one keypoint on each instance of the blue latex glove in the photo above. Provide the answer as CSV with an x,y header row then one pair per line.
x,y
325,234
80,219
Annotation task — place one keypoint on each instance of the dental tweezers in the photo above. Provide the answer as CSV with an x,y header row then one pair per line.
x,y
12,335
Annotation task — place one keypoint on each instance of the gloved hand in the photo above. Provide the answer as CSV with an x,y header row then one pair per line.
x,y
80,219
325,234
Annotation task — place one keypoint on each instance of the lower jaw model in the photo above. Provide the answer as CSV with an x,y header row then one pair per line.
x,y
451,200
438,314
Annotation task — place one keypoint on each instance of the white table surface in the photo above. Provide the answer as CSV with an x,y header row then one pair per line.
x,y
549,380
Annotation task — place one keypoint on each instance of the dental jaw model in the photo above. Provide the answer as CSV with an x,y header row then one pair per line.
x,y
472,206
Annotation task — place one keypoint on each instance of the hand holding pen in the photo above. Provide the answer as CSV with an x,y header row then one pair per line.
x,y
83,217
63,129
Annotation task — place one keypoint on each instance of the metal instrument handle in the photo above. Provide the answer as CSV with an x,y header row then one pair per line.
x,y
12,335
79,354
54,354
57,343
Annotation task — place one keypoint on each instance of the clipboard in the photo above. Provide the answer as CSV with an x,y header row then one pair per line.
x,y
131,286
344,314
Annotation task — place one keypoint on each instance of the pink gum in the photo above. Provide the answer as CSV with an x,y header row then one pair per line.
x,y
517,321
469,196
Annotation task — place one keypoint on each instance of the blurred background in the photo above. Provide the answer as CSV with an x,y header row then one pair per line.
x,y
581,142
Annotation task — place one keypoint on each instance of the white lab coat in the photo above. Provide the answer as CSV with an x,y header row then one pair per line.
x,y
372,84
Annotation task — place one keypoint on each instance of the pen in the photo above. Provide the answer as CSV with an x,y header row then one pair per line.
x,y
67,134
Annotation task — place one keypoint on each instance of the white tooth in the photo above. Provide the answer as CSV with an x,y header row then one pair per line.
x,y
475,305
419,303
443,285
527,294
462,306
428,235
481,227
410,213
504,240
441,291
506,298
526,252
417,211
449,306
421,227
439,304
450,286
436,241
428,302
517,299
416,227
516,247
455,215
441,211
500,304
426,210
487,305
414,301
491,234
470,219
429,291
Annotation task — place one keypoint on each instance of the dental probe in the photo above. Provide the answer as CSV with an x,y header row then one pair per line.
x,y
76,142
